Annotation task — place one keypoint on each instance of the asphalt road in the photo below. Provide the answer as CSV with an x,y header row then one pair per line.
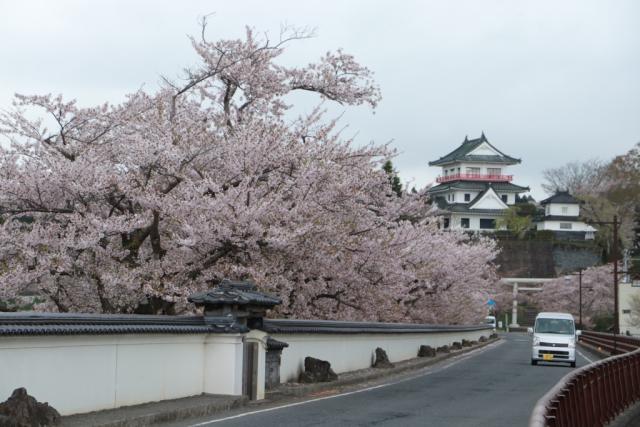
x,y
494,386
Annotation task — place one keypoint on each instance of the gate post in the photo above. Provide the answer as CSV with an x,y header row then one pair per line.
x,y
254,369
514,308
247,306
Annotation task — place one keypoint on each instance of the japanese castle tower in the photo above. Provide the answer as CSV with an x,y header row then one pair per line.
x,y
474,189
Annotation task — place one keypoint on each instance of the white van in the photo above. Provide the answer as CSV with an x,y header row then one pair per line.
x,y
554,338
491,320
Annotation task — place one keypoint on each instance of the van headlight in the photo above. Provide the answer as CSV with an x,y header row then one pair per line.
x,y
572,344
536,341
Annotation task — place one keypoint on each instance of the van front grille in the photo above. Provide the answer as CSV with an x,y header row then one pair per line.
x,y
557,354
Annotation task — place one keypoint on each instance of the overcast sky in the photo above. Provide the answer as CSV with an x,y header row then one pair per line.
x,y
548,81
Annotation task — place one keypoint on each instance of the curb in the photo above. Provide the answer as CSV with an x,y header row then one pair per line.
x,y
603,354
630,417
149,414
287,390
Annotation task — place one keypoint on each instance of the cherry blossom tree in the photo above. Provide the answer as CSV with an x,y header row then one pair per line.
x,y
107,208
562,294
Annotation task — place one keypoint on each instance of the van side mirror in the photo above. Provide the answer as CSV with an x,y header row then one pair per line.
x,y
578,332
530,331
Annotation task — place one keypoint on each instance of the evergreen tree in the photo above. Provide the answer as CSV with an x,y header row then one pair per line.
x,y
635,245
394,179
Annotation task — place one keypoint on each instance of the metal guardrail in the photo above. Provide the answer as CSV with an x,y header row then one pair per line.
x,y
595,394
607,342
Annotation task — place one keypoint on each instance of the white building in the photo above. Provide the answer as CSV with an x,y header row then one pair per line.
x,y
474,189
562,216
629,315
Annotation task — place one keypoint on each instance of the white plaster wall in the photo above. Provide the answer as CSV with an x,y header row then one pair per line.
x,y
484,149
490,200
349,352
223,364
556,209
460,196
474,221
555,225
77,374
511,197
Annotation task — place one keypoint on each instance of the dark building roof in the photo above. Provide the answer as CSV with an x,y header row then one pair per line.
x,y
464,208
230,292
461,154
561,197
31,323
505,187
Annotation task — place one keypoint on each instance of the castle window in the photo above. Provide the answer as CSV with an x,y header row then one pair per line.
x,y
565,210
446,223
565,226
464,222
467,197
473,171
487,223
494,171
504,198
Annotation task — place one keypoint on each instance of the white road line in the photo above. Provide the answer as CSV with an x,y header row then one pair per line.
x,y
588,360
430,370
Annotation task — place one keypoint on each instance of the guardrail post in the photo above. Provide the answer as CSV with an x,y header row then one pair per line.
x,y
582,400
595,394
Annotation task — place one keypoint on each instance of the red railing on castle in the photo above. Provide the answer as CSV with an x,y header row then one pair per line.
x,y
474,177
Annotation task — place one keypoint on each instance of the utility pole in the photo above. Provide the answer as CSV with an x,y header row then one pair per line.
x,y
567,280
616,326
616,320
580,294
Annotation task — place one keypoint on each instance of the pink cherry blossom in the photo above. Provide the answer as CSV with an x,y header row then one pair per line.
x,y
170,192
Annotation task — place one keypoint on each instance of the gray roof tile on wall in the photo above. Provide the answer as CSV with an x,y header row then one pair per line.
x,y
31,323
294,326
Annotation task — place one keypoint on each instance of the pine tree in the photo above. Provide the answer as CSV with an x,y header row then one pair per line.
x,y
635,245
394,179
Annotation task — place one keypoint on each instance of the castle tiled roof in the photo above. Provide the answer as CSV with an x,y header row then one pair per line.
x,y
461,154
464,207
561,197
478,186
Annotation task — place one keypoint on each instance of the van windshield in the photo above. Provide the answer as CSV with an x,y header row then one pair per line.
x,y
554,326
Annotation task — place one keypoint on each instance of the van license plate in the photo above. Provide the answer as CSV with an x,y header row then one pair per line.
x,y
547,357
